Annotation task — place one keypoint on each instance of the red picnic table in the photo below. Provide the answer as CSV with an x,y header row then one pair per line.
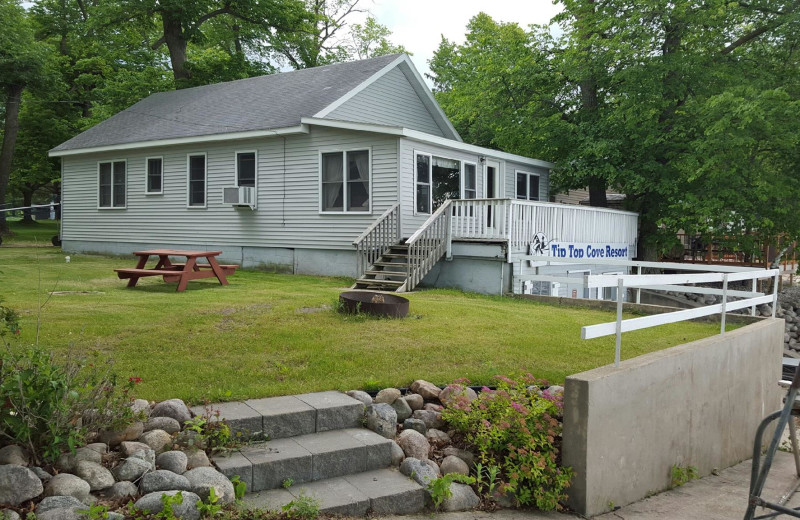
x,y
178,272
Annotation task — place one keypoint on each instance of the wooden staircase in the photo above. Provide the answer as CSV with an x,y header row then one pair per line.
x,y
388,273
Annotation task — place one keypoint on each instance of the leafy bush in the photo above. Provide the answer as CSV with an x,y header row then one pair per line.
x,y
439,488
51,405
518,431
9,321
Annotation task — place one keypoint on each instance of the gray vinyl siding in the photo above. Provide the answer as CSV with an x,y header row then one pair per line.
x,y
287,185
511,169
391,100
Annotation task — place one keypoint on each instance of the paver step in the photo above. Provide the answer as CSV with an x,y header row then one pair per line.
x,y
383,491
307,458
289,416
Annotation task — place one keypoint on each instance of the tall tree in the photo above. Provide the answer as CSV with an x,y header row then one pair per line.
x,y
22,65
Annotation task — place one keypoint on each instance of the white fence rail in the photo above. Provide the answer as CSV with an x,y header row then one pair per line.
x,y
667,282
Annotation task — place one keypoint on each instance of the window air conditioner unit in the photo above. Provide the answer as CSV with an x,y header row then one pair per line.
x,y
239,196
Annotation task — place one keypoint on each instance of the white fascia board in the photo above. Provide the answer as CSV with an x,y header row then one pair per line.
x,y
233,136
426,138
364,84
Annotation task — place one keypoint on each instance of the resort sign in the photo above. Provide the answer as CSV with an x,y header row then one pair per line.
x,y
578,250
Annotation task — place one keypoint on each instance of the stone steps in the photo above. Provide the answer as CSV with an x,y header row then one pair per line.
x,y
316,444
382,492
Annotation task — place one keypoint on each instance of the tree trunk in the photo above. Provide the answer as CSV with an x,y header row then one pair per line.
x,y
176,44
13,99
27,200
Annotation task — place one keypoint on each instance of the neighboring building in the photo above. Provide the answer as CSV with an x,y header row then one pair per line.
x,y
288,170
615,200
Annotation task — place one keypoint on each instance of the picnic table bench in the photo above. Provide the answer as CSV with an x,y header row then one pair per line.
x,y
181,272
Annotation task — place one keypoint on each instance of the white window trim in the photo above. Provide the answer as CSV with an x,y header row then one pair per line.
x,y
463,175
343,151
188,183
501,186
236,166
147,176
528,185
430,156
112,161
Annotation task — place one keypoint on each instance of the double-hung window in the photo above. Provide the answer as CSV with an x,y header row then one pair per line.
x,y
111,184
527,186
155,176
345,181
246,169
196,164
470,182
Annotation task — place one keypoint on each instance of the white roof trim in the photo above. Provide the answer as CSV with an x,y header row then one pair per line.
x,y
420,88
232,136
427,138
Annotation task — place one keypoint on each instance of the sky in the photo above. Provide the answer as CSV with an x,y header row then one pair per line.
x,y
418,25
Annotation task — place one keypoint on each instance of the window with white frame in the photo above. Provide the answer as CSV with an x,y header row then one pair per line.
x,y
440,178
470,177
345,181
111,178
246,169
155,176
527,186
197,180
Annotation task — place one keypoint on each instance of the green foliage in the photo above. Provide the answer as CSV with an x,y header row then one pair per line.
x,y
46,399
169,502
212,431
286,484
487,478
95,512
239,487
9,321
439,488
302,507
210,507
681,475
518,431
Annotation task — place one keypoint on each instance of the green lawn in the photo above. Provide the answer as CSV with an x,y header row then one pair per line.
x,y
39,233
272,334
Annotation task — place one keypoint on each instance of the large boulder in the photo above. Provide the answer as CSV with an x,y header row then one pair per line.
x,y
361,396
95,474
402,409
414,444
123,489
387,395
128,448
157,440
382,419
67,485
13,454
453,464
168,424
68,461
415,401
60,508
163,480
174,461
117,437
415,424
438,437
174,408
18,484
197,459
187,510
430,418
419,471
452,394
203,479
427,390
397,454
462,498
464,455
131,469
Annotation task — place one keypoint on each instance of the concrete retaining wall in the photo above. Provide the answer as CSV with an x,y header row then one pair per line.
x,y
696,404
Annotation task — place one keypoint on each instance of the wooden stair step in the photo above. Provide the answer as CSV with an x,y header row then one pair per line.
x,y
404,265
387,273
373,282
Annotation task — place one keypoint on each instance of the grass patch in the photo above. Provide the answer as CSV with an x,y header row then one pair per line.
x,y
274,334
36,233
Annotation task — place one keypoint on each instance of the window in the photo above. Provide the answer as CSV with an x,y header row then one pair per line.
x,y
197,180
527,186
155,176
344,181
470,182
439,179
111,184
246,169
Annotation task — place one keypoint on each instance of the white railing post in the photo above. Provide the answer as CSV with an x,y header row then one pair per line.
x,y
639,289
755,287
620,287
724,303
775,293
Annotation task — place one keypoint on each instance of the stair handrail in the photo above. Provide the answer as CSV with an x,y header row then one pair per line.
x,y
377,239
427,245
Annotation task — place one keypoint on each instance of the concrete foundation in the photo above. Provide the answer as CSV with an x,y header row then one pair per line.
x,y
697,404
475,266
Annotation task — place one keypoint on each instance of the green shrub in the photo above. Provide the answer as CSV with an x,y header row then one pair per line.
x,y
51,405
518,431
303,507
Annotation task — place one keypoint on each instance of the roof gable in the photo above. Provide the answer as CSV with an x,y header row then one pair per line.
x,y
260,103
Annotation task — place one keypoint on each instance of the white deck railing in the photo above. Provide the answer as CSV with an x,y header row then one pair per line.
x,y
666,282
428,244
377,239
519,221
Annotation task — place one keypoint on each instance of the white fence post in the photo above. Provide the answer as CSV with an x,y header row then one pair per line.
x,y
724,303
639,289
775,293
620,287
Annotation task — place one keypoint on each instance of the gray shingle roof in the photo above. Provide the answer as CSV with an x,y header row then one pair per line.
x,y
261,103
